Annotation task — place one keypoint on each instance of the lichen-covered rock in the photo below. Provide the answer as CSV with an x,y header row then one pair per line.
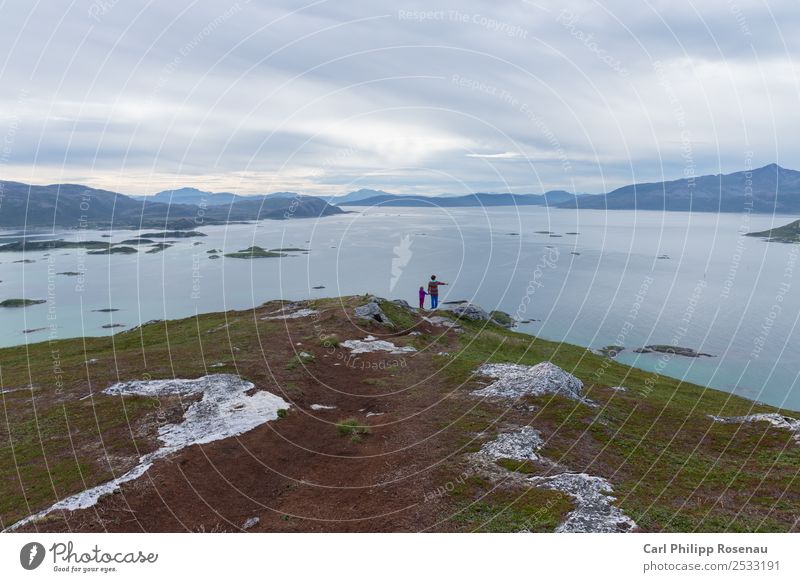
x,y
503,319
372,311
441,321
521,445
594,512
471,312
373,344
515,381
227,408
775,419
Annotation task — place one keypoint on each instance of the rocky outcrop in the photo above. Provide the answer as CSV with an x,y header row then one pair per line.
x,y
594,512
372,344
521,445
441,321
225,410
515,381
675,350
610,351
473,312
775,419
372,311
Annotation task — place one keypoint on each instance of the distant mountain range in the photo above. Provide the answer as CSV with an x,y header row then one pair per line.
x,y
197,197
479,199
771,189
75,206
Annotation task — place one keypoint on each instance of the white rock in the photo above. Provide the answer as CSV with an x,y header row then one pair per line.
x,y
372,344
251,522
514,381
619,388
441,321
521,445
293,315
321,407
775,419
594,512
372,311
225,410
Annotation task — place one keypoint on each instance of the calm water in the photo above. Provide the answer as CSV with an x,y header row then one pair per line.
x,y
718,292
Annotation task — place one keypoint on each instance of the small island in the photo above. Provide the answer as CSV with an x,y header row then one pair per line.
x,y
46,245
173,234
788,233
114,251
255,252
610,351
137,241
158,247
676,350
21,302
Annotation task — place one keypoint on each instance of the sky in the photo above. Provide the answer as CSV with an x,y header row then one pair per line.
x,y
424,97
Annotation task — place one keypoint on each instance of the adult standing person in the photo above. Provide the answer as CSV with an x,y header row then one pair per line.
x,y
433,291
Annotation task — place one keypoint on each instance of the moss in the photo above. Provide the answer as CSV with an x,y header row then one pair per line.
x,y
329,341
353,428
534,510
403,320
525,467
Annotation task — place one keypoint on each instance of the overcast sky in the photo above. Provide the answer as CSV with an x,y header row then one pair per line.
x,y
427,97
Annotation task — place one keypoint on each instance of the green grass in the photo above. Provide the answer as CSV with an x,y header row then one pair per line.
x,y
352,428
402,319
671,467
329,341
531,510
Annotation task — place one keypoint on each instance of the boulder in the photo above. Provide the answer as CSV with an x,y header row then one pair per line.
x,y
471,312
474,312
515,381
372,311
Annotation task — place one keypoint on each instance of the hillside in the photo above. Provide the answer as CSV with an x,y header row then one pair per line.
x,y
76,206
478,199
788,233
197,197
770,189
315,416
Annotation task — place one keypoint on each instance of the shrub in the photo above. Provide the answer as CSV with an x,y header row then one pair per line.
x,y
351,426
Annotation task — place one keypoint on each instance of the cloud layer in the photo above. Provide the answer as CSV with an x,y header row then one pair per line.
x,y
328,97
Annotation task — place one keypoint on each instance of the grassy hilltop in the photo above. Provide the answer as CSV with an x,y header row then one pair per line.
x,y
391,441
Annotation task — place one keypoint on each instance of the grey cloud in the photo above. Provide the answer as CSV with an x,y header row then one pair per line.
x,y
401,96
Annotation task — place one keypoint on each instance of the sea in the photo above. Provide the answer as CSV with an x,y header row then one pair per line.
x,y
586,277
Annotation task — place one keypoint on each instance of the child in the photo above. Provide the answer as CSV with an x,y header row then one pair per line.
x,y
422,295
